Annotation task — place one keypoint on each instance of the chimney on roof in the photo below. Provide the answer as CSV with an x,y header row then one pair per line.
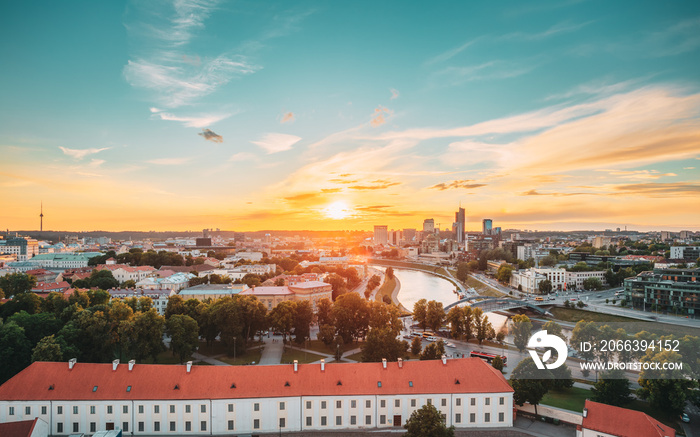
x,y
384,363
444,359
296,366
131,365
400,361
585,412
71,363
115,363
323,365
189,366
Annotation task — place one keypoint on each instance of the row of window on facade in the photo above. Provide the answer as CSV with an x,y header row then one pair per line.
x,y
256,406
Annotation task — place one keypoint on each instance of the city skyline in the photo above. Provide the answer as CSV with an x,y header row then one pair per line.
x,y
207,114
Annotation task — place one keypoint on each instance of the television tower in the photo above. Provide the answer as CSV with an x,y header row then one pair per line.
x,y
41,217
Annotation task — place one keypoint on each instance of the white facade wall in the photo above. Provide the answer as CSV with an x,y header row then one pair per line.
x,y
590,433
263,415
576,279
556,276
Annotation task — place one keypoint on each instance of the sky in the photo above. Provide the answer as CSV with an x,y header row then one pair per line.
x,y
192,114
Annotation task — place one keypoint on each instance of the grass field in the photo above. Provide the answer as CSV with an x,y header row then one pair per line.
x,y
290,355
386,289
251,355
483,289
571,399
574,315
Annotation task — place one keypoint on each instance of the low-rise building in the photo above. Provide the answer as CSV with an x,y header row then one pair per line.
x,y
574,280
312,291
601,420
159,296
212,291
123,272
176,282
42,289
143,399
665,289
60,261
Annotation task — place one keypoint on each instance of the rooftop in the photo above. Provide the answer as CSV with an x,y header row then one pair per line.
x,y
623,422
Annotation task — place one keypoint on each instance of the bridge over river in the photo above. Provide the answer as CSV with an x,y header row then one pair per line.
x,y
490,303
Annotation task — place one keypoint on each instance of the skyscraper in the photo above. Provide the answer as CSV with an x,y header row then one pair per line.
x,y
429,226
381,235
460,225
487,226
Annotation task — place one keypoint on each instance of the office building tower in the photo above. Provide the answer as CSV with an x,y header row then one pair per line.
x,y
428,226
381,235
460,222
487,226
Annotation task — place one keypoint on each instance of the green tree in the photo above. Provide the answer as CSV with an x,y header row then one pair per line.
x,y
592,284
324,312
47,349
183,335
227,319
584,332
326,333
435,315
381,343
462,272
497,363
338,284
302,321
613,388
433,351
562,377
149,327
416,345
482,327
666,390
16,283
522,326
383,316
530,383
505,271
455,317
15,350
54,303
390,272
420,313
176,305
427,422
553,328
351,315
545,286
282,317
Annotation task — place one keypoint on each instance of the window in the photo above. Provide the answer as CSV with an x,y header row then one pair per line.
x,y
125,426
368,404
140,409
75,410
353,404
93,427
283,422
141,427
203,408
323,420
413,402
473,401
172,409
43,409
368,420
397,403
27,410
308,420
444,402
382,419
156,426
382,403
156,409
59,410
353,420
338,404
256,407
501,400
443,417
323,405
430,402
76,427
458,418
338,420
487,417
308,405
188,408
230,408
281,406
59,428
487,401
94,389
458,402
11,411
92,409
501,417
203,425
188,426
472,417
125,409
230,425
256,424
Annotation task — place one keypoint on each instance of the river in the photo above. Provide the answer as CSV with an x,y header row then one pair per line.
x,y
416,285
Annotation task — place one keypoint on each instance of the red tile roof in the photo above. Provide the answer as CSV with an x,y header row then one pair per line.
x,y
623,422
45,287
156,382
22,428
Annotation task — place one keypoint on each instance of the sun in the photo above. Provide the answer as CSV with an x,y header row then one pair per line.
x,y
337,210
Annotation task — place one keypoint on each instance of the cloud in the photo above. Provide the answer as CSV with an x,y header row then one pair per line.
x,y
449,54
491,70
288,117
301,197
537,193
274,142
209,135
381,186
202,120
638,174
241,156
394,94
457,185
679,189
556,29
81,153
379,116
688,168
169,161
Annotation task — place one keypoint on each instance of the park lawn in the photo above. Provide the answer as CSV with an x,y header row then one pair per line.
x,y
355,357
575,314
483,289
216,348
386,289
302,357
250,356
571,399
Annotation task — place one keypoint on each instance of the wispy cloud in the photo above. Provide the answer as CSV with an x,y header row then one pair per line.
x,y
449,54
202,120
380,186
169,161
461,184
81,153
274,142
380,115
557,29
287,117
679,189
637,174
241,156
394,94
491,70
209,135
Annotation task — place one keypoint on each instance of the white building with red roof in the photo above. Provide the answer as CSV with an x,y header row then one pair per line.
x,y
123,272
312,291
42,289
218,400
602,420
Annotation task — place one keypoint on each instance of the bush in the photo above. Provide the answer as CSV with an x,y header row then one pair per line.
x,y
580,304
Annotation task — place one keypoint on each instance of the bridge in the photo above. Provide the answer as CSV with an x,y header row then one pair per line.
x,y
490,303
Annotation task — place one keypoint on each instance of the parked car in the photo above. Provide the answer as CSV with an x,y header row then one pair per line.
x,y
431,338
685,418
448,344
